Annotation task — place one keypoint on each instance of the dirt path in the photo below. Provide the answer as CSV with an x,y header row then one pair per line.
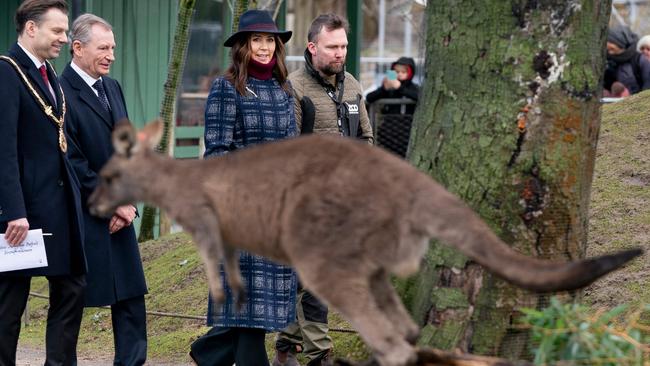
x,y
36,357
33,357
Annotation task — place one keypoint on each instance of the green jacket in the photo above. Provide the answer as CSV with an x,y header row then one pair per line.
x,y
325,121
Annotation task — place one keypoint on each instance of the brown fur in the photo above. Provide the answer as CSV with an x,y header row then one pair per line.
x,y
344,214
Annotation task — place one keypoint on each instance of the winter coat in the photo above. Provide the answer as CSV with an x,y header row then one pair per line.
x,y
232,122
629,67
305,83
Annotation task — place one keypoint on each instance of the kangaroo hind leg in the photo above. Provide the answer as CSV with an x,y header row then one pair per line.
x,y
204,228
231,267
391,305
350,294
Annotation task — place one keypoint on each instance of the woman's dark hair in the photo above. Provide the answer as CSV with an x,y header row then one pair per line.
x,y
240,53
34,10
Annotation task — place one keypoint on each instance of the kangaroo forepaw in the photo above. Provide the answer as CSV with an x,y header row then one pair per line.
x,y
404,355
239,297
217,296
412,336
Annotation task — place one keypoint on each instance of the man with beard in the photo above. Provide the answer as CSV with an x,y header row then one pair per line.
x,y
328,100
38,188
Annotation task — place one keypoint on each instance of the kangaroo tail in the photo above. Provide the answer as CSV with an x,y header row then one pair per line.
x,y
477,241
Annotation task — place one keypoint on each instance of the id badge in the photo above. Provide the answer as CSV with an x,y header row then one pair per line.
x,y
352,117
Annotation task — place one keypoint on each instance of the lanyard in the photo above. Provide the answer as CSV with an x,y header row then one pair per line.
x,y
337,102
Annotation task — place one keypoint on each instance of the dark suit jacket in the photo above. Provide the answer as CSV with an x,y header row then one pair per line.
x,y
114,264
36,179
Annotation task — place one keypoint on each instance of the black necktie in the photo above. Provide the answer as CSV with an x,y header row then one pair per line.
x,y
101,93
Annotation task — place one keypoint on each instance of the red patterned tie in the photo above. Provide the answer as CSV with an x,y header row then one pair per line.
x,y
43,71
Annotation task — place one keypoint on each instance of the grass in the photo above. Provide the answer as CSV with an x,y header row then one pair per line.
x,y
620,198
177,284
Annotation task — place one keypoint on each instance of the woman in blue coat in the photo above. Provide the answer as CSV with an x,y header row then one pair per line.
x,y
251,104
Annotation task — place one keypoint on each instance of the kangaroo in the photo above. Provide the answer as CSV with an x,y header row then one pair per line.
x,y
344,214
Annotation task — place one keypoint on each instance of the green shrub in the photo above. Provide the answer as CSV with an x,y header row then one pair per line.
x,y
574,334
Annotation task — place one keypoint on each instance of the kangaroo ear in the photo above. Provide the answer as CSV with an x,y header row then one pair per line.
x,y
151,134
124,138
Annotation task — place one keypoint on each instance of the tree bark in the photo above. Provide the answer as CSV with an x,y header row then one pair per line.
x,y
510,125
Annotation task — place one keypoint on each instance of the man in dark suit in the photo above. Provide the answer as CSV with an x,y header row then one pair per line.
x,y
115,275
38,188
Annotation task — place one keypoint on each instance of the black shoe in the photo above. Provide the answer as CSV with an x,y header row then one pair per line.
x,y
285,358
322,360
193,360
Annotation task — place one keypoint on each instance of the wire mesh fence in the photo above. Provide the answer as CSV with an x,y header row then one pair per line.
x,y
391,121
26,316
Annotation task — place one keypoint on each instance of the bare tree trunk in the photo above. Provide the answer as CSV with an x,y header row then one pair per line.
x,y
240,7
174,72
508,120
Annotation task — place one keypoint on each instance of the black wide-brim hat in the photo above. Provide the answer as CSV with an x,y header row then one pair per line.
x,y
257,21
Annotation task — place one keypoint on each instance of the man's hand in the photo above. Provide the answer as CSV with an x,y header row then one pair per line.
x,y
17,231
116,224
123,217
126,212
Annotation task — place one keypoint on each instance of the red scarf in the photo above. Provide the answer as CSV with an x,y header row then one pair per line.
x,y
261,71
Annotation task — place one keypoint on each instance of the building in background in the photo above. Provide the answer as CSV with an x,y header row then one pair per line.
x,y
144,32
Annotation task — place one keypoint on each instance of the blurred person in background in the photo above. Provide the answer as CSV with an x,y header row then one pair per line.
x,y
394,126
624,63
618,90
643,46
401,85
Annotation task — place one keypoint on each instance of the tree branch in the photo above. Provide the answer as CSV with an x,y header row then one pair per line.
x,y
436,357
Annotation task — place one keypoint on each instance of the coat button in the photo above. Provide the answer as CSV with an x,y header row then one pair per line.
x,y
60,183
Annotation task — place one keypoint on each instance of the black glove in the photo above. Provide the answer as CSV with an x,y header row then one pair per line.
x,y
308,115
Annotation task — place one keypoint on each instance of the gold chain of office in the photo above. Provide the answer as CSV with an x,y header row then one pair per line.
x,y
58,121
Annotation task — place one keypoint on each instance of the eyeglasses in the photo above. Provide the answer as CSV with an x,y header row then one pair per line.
x,y
645,48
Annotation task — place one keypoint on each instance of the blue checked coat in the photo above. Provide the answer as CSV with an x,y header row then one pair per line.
x,y
232,122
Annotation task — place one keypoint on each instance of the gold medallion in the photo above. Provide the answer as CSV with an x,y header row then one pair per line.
x,y
47,109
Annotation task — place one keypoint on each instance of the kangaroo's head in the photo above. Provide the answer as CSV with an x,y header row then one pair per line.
x,y
126,175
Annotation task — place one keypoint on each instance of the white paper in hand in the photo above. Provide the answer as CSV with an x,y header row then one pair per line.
x,y
29,254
